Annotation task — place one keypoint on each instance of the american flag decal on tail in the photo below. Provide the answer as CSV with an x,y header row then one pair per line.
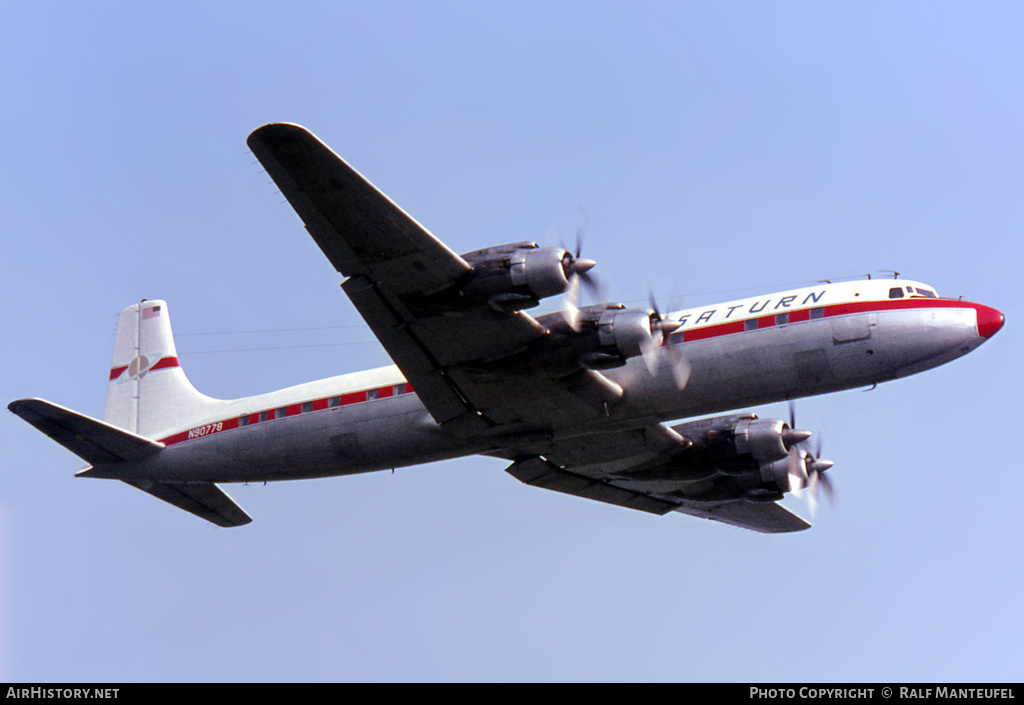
x,y
151,312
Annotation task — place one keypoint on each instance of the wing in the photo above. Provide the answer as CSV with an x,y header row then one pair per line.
x,y
406,285
657,469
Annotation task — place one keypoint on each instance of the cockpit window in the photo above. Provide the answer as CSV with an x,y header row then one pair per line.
x,y
896,292
922,292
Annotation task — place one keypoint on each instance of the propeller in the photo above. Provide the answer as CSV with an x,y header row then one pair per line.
x,y
656,347
816,467
577,271
807,468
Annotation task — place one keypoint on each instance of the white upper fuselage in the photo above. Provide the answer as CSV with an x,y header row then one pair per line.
x,y
761,307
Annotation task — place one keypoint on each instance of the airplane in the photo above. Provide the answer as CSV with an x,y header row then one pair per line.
x,y
579,401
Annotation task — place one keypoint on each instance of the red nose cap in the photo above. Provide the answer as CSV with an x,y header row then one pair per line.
x,y
989,321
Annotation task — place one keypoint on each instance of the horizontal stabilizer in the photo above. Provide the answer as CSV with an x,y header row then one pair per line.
x,y
204,499
94,441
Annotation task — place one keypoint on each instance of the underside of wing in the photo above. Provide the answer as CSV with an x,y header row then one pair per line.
x,y
731,469
359,229
763,517
433,349
540,473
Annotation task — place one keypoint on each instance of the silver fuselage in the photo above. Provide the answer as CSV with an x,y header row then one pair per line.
x,y
741,354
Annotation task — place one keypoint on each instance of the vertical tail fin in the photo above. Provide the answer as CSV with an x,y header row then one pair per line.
x,y
149,393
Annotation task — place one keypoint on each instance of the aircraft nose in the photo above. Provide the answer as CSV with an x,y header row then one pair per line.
x,y
989,321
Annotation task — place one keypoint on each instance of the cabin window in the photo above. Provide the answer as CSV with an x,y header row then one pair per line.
x,y
818,312
781,318
750,324
307,406
398,389
896,292
334,402
243,420
372,394
264,415
281,413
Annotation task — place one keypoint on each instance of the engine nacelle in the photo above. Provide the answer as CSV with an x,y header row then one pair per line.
x,y
608,335
762,439
742,443
542,271
518,275
626,331
737,457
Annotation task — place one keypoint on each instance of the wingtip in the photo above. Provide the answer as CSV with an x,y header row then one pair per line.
x,y
28,408
276,130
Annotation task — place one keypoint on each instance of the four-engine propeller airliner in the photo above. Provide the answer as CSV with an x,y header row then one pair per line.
x,y
575,401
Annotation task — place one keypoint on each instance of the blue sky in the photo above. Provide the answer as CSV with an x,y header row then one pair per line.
x,y
718,150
